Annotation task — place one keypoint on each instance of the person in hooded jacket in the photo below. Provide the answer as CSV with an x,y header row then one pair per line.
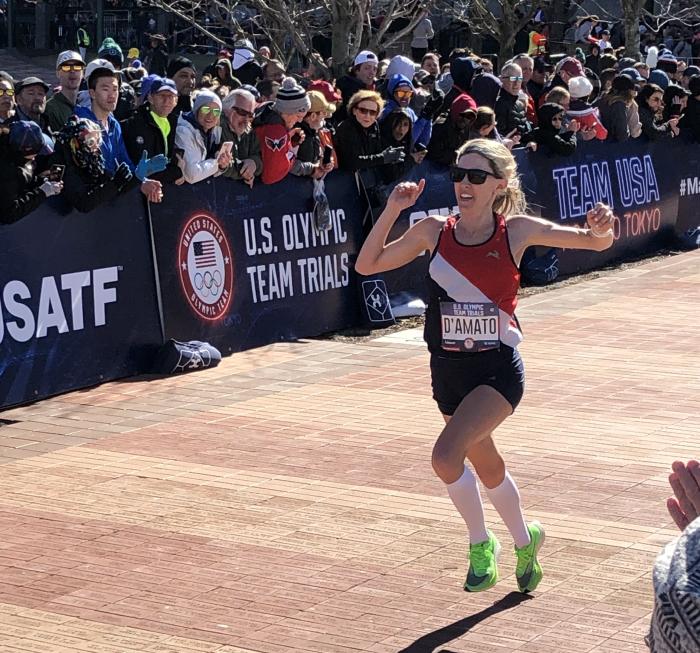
x,y
548,135
400,91
21,189
452,131
464,71
485,90
224,74
396,132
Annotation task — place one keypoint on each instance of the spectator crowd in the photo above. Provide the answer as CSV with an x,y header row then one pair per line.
x,y
117,122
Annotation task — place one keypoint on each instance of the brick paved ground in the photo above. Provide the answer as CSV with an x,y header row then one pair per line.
x,y
284,502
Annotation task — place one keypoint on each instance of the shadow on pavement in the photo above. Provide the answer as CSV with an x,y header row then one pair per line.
x,y
428,643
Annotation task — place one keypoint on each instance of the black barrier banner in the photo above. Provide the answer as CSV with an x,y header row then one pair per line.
x,y
688,189
243,267
77,293
639,180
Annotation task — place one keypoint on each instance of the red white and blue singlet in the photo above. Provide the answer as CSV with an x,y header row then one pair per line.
x,y
472,275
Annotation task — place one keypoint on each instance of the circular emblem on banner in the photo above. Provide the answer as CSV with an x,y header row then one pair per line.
x,y
468,343
206,266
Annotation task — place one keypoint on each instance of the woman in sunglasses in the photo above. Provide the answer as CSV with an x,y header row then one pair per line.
x,y
198,135
358,140
472,333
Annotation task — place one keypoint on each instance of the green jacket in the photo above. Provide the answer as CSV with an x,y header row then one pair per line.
x,y
244,147
58,110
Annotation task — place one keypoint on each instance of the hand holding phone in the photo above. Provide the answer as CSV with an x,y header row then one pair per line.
x,y
56,172
327,154
226,148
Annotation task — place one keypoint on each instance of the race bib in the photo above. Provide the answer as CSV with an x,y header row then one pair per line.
x,y
469,327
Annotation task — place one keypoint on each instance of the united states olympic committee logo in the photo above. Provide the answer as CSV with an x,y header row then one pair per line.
x,y
206,266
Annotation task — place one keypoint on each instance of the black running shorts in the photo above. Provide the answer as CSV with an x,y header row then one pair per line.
x,y
454,377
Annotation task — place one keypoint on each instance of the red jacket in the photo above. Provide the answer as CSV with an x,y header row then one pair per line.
x,y
275,145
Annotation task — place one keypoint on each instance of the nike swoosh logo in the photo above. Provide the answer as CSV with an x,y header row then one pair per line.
x,y
473,579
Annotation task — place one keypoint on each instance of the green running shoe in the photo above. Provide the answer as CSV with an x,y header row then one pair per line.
x,y
528,570
483,565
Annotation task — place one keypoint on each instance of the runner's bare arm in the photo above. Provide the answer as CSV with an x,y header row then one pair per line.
x,y
598,236
378,256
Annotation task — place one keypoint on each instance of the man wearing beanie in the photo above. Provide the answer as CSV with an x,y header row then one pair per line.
x,y
182,71
275,128
112,52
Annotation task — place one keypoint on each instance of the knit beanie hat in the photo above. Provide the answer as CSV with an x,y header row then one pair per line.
x,y
291,98
111,51
205,97
178,63
580,87
660,78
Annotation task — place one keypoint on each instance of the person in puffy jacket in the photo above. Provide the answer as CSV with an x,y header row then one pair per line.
x,y
510,108
274,125
198,135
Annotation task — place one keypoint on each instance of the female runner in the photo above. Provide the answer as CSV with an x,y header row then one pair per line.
x,y
472,333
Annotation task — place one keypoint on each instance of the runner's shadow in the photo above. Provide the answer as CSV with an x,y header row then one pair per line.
x,y
428,643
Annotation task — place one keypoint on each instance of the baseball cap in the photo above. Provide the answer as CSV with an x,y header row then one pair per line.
x,y
690,71
572,66
31,81
633,74
327,89
163,84
366,56
67,56
542,66
133,53
98,64
27,138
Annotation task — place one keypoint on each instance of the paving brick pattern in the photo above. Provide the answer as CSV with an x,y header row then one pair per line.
x,y
284,502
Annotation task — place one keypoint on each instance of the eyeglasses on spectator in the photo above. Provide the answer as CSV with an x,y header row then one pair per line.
x,y
208,110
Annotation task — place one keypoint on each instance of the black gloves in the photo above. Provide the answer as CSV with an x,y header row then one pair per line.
x,y
122,175
432,106
393,155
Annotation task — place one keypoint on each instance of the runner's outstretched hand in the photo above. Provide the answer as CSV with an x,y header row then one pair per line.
x,y
405,194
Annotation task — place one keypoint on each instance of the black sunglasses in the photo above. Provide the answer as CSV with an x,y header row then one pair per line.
x,y
475,175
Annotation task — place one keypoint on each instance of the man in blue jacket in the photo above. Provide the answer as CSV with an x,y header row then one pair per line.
x,y
103,87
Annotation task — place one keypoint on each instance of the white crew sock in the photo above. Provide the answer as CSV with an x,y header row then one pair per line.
x,y
506,499
464,493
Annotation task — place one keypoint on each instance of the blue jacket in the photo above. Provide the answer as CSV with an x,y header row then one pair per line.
x,y
422,127
113,148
